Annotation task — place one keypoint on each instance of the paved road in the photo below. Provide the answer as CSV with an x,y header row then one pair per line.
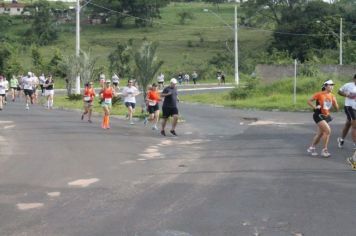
x,y
229,172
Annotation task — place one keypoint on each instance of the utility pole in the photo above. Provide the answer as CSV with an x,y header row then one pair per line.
x,y
236,50
340,44
77,45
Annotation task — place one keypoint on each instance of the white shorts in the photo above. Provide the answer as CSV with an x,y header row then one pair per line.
x,y
49,92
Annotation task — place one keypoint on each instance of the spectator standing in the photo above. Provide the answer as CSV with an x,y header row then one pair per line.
x,y
180,78
194,77
160,80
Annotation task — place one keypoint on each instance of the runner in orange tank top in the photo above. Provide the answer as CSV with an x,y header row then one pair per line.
x,y
153,100
106,94
322,102
88,98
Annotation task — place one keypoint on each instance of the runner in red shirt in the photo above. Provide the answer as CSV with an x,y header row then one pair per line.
x,y
322,102
153,99
88,98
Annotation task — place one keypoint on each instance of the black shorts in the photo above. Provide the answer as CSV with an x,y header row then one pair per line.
x,y
350,113
28,92
115,83
153,109
317,117
169,111
130,104
2,95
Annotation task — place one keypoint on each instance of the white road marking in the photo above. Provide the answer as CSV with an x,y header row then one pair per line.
x,y
9,126
54,194
83,182
268,122
29,206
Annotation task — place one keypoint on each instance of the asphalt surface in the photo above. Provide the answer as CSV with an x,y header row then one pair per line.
x,y
229,172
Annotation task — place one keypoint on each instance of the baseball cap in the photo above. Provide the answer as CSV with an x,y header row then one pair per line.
x,y
173,81
107,81
329,82
29,73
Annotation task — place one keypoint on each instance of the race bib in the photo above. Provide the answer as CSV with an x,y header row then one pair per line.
x,y
26,86
107,100
152,103
87,98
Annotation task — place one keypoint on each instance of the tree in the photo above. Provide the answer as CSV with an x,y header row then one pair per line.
x,y
120,59
143,11
147,64
43,29
37,59
84,65
184,16
5,23
5,55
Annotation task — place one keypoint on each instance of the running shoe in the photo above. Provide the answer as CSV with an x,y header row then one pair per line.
x,y
145,121
173,132
132,123
27,107
325,153
340,142
82,118
163,132
351,162
154,127
312,151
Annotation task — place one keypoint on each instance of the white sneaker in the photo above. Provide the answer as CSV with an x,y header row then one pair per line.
x,y
145,121
340,142
27,107
132,123
325,153
312,151
154,127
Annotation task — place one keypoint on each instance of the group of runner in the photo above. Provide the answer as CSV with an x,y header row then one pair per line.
x,y
26,86
322,102
109,91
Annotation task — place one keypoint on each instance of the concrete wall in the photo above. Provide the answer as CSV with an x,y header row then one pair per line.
x,y
271,73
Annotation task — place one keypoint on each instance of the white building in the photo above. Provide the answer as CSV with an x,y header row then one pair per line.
x,y
12,9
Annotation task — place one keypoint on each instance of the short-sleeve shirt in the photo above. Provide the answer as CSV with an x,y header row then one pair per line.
x,y
129,93
325,100
2,87
14,83
27,83
154,96
349,88
170,100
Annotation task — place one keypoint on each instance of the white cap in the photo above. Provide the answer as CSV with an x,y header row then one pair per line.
x,y
329,82
174,81
29,73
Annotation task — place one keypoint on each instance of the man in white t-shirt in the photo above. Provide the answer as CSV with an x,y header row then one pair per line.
x,y
348,91
160,80
2,92
129,93
28,84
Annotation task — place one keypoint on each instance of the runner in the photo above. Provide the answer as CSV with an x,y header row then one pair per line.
x,y
169,106
324,101
153,99
88,98
106,95
6,88
115,81
42,80
14,84
2,92
35,85
102,80
49,91
27,83
348,91
130,92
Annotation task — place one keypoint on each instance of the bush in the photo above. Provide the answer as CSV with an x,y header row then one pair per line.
x,y
75,97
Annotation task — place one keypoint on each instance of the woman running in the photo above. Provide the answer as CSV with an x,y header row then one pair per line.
x,y
153,99
88,98
325,100
106,94
49,91
14,84
2,92
129,93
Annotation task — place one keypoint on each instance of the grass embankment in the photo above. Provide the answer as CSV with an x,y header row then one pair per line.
x,y
276,96
182,47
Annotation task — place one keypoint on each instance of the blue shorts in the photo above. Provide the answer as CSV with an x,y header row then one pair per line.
x,y
130,104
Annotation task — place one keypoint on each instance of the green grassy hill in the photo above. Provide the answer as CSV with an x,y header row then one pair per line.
x,y
182,47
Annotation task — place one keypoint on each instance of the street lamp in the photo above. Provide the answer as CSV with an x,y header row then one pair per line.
x,y
337,36
235,29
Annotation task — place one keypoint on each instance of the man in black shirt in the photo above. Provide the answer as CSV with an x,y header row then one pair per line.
x,y
169,106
